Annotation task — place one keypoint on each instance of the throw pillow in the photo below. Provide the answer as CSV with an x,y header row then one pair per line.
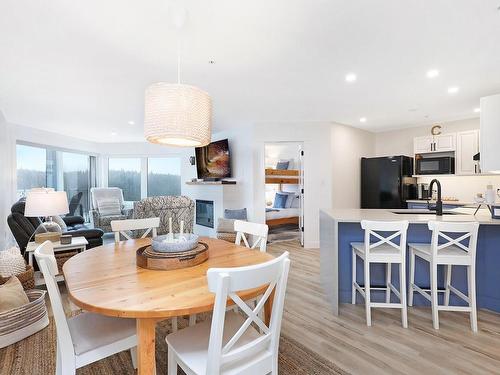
x,y
58,219
11,262
295,202
280,200
109,207
225,225
12,295
240,214
282,165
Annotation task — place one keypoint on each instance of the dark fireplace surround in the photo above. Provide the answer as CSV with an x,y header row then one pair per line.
x,y
205,213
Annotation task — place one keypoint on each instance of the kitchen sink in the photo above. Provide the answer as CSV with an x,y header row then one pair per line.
x,y
424,212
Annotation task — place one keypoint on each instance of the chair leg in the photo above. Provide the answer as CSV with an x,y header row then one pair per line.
x,y
172,363
402,293
412,278
192,320
447,283
471,278
388,270
367,294
133,354
434,295
173,321
354,258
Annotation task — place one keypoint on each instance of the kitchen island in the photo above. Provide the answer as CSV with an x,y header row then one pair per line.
x,y
340,227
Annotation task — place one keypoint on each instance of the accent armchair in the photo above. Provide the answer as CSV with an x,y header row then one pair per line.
x,y
107,205
177,207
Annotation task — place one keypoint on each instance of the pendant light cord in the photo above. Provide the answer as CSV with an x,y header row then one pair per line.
x,y
179,58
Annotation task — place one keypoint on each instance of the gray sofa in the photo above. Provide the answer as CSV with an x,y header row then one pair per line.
x,y
104,221
177,207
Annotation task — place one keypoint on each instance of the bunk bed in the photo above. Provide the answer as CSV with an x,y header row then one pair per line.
x,y
281,216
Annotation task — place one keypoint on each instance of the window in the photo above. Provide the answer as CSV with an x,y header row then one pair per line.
x,y
76,177
39,166
31,168
164,176
125,173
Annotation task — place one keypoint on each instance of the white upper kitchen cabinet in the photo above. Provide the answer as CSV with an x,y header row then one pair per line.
x,y
422,145
490,133
444,142
467,147
437,143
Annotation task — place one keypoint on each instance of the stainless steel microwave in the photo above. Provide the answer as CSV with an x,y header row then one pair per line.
x,y
437,165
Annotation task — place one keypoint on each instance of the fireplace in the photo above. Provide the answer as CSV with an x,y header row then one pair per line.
x,y
205,213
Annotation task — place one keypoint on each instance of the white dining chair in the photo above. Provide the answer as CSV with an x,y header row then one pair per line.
x,y
121,227
384,249
230,343
86,337
149,225
452,244
258,231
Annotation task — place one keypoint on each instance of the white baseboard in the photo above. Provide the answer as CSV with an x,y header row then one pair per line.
x,y
311,244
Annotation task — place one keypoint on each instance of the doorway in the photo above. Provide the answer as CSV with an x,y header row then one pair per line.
x,y
284,191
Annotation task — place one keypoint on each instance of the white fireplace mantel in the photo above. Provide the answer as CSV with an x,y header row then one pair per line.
x,y
224,196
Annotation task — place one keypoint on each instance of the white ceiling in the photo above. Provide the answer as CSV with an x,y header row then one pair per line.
x,y
81,67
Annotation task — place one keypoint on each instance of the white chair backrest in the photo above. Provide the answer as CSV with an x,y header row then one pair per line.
x,y
99,193
463,232
44,255
395,228
121,226
258,231
226,282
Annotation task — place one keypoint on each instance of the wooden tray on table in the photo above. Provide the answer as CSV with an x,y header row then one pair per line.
x,y
146,257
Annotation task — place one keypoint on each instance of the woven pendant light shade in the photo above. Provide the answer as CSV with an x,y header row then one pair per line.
x,y
177,115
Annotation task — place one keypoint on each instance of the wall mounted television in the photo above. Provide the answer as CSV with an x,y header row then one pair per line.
x,y
213,161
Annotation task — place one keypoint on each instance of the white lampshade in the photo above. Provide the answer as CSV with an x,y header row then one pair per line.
x,y
177,115
46,202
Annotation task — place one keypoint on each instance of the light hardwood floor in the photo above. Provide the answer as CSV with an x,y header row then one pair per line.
x,y
386,347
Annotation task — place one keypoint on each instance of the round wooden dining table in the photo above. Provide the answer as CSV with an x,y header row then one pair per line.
x,y
106,280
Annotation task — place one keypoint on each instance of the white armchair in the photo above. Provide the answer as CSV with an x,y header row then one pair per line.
x,y
107,205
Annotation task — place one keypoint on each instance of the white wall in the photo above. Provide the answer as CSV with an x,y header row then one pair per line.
x,y
349,145
7,180
400,142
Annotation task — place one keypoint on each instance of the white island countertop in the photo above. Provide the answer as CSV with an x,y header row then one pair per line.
x,y
415,216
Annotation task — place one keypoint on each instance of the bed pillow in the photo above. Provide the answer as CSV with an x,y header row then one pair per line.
x,y
282,165
295,202
12,295
280,200
290,199
240,214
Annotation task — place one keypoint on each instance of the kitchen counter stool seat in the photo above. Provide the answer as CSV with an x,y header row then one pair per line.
x,y
452,244
380,247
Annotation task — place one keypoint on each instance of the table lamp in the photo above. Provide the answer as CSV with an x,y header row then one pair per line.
x,y
45,202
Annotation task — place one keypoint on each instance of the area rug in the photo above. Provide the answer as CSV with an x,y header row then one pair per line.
x,y
36,356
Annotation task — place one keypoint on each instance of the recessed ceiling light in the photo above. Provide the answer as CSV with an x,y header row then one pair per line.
x,y
114,133
433,73
362,119
131,122
351,77
477,110
453,90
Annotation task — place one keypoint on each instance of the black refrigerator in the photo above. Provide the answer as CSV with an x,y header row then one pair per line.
x,y
387,182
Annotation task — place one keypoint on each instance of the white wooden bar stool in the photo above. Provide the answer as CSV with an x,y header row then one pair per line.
x,y
457,250
383,250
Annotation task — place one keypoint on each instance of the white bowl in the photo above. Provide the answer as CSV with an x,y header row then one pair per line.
x,y
175,243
